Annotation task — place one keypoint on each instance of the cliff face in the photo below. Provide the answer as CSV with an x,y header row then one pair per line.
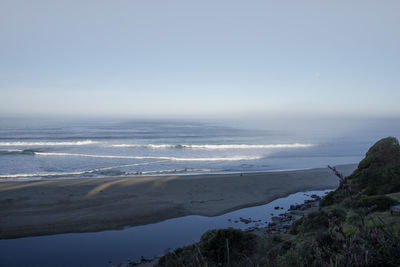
x,y
379,171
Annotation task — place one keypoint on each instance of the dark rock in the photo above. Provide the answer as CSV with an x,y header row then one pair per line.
x,y
275,219
246,221
143,259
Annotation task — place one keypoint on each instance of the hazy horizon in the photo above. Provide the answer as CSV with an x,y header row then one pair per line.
x,y
180,59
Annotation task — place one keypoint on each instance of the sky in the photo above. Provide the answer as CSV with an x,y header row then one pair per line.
x,y
200,58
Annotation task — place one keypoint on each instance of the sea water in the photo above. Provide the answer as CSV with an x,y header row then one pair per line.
x,y
40,149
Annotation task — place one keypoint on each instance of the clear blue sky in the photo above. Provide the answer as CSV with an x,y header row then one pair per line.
x,y
187,58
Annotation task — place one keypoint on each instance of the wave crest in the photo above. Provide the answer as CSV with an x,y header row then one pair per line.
x,y
234,158
18,152
53,174
210,147
76,143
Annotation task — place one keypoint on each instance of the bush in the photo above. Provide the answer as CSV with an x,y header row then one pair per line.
x,y
327,200
295,228
212,249
213,244
314,221
302,254
179,257
353,217
379,202
339,213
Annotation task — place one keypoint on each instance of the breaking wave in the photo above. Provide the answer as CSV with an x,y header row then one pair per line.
x,y
210,147
235,158
52,174
156,146
76,143
18,152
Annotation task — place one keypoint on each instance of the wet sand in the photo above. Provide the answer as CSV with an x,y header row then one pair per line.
x,y
32,208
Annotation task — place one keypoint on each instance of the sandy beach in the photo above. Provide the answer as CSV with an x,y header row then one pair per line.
x,y
32,208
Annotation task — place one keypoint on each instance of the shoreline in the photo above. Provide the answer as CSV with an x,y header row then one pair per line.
x,y
45,207
43,178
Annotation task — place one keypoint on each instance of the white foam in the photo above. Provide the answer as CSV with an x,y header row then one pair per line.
x,y
244,146
97,156
76,143
211,147
12,151
145,146
22,175
235,158
47,174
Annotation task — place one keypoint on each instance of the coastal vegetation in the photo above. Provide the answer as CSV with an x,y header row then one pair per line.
x,y
353,226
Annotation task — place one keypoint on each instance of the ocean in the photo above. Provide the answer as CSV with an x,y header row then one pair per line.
x,y
40,149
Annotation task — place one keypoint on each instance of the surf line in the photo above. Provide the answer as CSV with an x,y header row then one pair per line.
x,y
236,158
24,175
126,165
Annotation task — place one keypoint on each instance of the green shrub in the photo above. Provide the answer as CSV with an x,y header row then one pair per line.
x,y
302,254
379,202
387,251
350,230
352,217
314,221
339,213
295,228
213,244
327,200
348,202
323,238
180,256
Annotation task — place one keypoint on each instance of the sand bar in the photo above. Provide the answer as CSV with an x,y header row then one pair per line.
x,y
32,208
